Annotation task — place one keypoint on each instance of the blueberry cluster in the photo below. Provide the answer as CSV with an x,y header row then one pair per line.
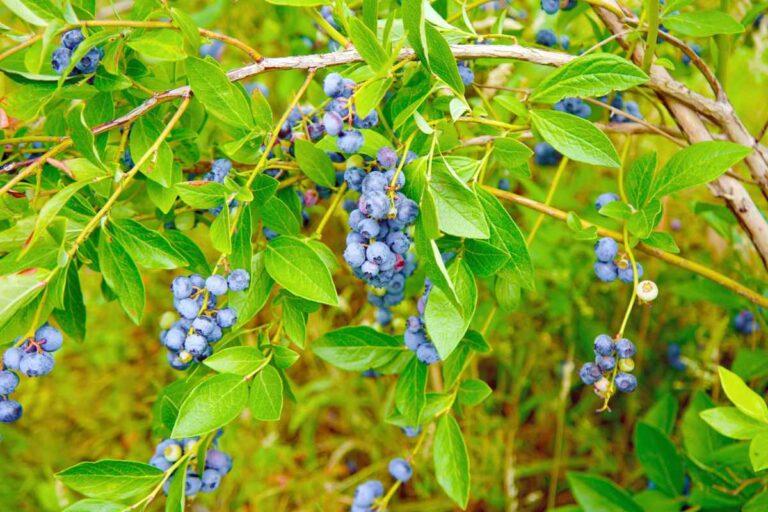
x,y
190,337
612,360
31,357
340,110
552,6
217,464
62,55
630,107
378,245
367,493
466,73
415,337
575,106
609,266
545,154
744,323
219,171
547,37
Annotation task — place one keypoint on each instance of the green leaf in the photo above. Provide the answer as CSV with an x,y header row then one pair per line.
x,y
148,247
574,137
211,404
221,229
159,166
503,228
315,163
370,95
410,393
357,348
249,303
514,155
297,268
266,397
695,165
222,99
731,422
659,458
451,460
458,210
441,60
71,316
94,505
446,322
662,414
81,133
413,23
639,179
111,479
473,391
50,210
758,451
122,276
191,251
18,290
176,498
235,360
36,12
642,221
484,258
700,23
202,194
746,400
758,503
366,43
597,494
159,45
698,439
591,75
187,26
298,3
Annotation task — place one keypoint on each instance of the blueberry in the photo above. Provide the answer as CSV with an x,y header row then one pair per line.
x,y
90,61
407,210
333,85
181,287
354,255
210,480
356,238
187,308
546,37
174,338
10,411
575,106
226,317
400,470
399,242
8,382
354,176
606,272
369,269
216,285
338,105
604,199
160,462
49,338
606,363
427,353
411,431
195,344
367,492
744,323
218,460
72,38
504,184
215,335
369,228
565,42
604,345
387,157
466,74
590,373
625,348
631,108
397,177
379,253
375,205
606,249
333,123
374,182
626,275
192,485
214,49
383,316
350,141
197,281
238,280
550,6
626,382
414,339
174,359
60,59
36,364
203,325
545,154
219,170
369,121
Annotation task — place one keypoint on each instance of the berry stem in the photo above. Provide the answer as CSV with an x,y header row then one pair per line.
x,y
331,208
548,200
329,29
652,12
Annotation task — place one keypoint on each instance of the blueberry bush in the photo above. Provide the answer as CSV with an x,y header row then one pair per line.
x,y
383,255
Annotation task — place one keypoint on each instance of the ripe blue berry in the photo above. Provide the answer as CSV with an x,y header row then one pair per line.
x,y
545,154
354,255
369,228
414,339
192,485
379,253
49,338
238,280
367,493
411,431
397,177
625,348
203,325
160,462
606,272
36,364
575,106
72,38
226,317
626,382
181,287
546,37
195,344
90,61
187,308
10,411
606,249
550,6
218,461
400,470
745,323
210,480
369,121
604,345
427,353
375,205
216,285
369,269
504,184
466,74
174,338
333,123
626,275
604,199
387,157
606,363
350,141
374,182
60,59
333,85
8,382
399,242
214,49
590,373
12,358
